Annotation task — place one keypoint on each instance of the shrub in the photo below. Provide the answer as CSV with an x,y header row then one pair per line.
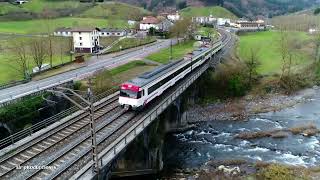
x,y
275,172
77,85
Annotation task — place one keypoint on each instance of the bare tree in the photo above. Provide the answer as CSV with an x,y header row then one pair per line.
x,y
19,59
252,63
70,48
182,28
38,50
283,49
103,81
317,48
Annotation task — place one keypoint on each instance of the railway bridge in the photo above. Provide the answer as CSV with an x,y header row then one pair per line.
x,y
63,149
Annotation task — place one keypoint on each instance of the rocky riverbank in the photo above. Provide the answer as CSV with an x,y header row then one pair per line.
x,y
242,108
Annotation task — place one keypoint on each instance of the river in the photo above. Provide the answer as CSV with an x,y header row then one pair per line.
x,y
214,140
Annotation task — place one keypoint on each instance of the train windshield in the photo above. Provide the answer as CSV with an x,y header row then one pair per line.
x,y
130,94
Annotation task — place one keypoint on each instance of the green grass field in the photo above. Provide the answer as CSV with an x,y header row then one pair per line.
x,y
7,7
178,51
115,10
37,6
8,70
269,55
126,67
216,11
38,26
130,43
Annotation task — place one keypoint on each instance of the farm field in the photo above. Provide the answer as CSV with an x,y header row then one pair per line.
x,y
28,27
115,10
266,43
178,51
215,11
8,70
130,43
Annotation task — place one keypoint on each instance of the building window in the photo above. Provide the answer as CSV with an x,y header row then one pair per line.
x,y
102,33
118,34
80,44
108,33
79,32
80,38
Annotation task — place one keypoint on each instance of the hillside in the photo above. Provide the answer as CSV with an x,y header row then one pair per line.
x,y
37,9
241,8
115,10
216,11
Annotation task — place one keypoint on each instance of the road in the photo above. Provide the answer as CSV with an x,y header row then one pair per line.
x,y
103,62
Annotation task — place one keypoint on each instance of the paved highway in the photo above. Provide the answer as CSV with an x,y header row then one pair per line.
x,y
103,62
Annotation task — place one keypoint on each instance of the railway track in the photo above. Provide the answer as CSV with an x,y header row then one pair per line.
x,y
81,149
9,164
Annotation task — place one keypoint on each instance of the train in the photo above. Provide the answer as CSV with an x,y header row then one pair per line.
x,y
136,93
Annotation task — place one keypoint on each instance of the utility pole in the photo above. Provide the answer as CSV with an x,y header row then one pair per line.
x,y
171,50
95,165
90,108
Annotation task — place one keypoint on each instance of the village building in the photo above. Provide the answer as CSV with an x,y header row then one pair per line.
x,y
173,17
65,32
132,22
86,40
250,25
112,32
20,2
156,23
205,20
149,22
223,21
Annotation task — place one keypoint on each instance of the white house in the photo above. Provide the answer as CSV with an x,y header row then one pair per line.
x,y
153,22
174,16
223,21
131,22
204,20
85,40
149,22
105,32
66,32
20,1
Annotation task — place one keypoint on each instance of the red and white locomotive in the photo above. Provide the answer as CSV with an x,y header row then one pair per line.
x,y
138,92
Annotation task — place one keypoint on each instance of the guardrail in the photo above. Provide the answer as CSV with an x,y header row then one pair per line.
x,y
45,123
36,90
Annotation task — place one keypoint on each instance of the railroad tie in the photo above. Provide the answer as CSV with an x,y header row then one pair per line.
x,y
56,137
52,140
45,173
73,154
47,143
17,159
12,163
73,128
25,156
35,149
62,134
78,125
82,123
39,178
42,146
68,130
5,168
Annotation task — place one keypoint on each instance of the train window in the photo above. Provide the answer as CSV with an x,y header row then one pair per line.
x,y
130,94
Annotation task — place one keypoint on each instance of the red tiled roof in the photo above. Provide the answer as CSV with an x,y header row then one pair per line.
x,y
150,20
